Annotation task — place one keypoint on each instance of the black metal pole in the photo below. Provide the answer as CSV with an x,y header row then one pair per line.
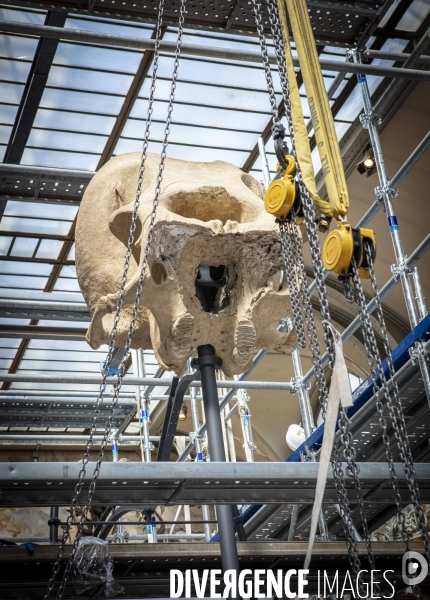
x,y
53,525
224,512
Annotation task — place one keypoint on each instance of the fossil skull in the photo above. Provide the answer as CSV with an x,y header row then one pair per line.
x,y
209,215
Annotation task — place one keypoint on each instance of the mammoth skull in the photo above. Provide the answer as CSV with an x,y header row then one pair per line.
x,y
210,219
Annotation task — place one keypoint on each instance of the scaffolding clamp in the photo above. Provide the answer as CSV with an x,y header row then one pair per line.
x,y
398,269
385,190
418,351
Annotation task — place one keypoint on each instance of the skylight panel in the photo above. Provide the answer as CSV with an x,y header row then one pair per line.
x,y
11,92
24,247
39,210
197,136
71,100
14,71
37,226
61,159
414,16
213,73
70,121
49,249
19,281
98,58
88,81
24,268
67,285
194,93
60,140
206,116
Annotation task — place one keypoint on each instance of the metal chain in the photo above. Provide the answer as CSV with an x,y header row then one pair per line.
x,y
310,219
108,425
380,392
395,408
276,127
291,274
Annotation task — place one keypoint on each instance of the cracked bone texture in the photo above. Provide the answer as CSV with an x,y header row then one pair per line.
x,y
209,214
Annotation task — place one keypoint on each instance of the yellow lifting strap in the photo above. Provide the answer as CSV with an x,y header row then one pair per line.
x,y
300,133
321,115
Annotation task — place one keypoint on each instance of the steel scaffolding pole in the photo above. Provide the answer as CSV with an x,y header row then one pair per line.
x,y
400,270
76,35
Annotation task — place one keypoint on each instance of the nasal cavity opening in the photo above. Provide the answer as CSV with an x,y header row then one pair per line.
x,y
207,204
209,284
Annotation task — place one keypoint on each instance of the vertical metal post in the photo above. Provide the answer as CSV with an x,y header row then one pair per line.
x,y
177,515
370,121
264,163
419,295
307,418
245,422
114,438
53,525
302,393
293,522
206,362
199,450
143,405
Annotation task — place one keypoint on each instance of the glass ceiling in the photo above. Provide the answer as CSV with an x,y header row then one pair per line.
x,y
220,110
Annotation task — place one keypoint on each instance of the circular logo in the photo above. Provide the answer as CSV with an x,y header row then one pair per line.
x,y
332,250
414,568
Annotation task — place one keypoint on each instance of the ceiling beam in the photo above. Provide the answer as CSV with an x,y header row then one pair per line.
x,y
128,103
33,91
120,41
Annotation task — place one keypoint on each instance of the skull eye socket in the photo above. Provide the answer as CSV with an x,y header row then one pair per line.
x,y
207,204
158,273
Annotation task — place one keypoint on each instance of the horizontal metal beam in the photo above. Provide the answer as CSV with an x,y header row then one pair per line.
x,y
38,309
411,161
67,438
36,332
49,395
269,549
45,173
50,484
156,382
396,56
75,35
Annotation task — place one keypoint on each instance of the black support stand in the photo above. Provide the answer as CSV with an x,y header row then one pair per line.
x,y
53,523
207,364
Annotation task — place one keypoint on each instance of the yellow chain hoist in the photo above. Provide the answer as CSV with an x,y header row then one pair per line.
x,y
282,194
345,243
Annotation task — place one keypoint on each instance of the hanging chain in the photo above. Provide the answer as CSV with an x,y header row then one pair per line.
x,y
380,392
395,409
292,276
108,424
311,225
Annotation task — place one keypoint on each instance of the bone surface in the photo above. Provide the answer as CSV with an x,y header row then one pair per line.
x,y
209,215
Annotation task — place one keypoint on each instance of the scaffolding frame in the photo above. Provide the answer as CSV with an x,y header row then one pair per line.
x,y
404,270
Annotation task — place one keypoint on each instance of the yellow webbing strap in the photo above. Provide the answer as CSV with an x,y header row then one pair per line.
x,y
300,133
322,119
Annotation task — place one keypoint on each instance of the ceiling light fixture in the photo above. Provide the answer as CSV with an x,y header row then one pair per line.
x,y
368,164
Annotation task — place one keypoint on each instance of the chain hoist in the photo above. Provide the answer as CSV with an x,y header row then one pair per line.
x,y
97,412
308,212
